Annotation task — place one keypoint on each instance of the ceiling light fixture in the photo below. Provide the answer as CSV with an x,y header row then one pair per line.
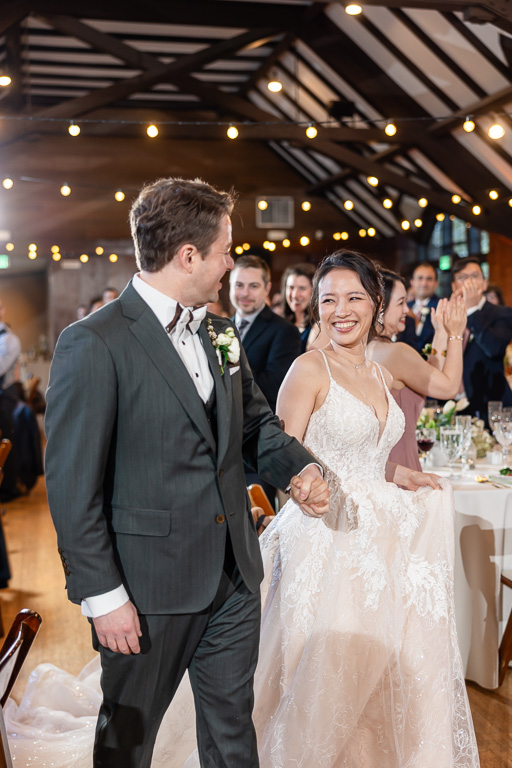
x,y
496,131
390,129
232,132
456,199
311,131
275,86
152,131
65,190
74,129
353,10
469,124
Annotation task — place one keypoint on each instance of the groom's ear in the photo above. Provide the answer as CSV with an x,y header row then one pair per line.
x,y
186,256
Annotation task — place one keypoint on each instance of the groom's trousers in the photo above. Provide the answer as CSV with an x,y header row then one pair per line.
x,y
219,646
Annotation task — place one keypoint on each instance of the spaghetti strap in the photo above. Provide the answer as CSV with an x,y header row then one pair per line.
x,y
326,364
386,388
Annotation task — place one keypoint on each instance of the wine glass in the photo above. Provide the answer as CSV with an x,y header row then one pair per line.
x,y
426,438
503,434
451,443
464,424
494,409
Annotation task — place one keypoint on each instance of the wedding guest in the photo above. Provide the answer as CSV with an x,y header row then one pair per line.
x,y
81,311
414,379
10,350
276,303
95,304
419,330
296,290
153,519
494,295
109,294
488,333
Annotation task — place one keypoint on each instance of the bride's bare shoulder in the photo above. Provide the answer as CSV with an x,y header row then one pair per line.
x,y
311,362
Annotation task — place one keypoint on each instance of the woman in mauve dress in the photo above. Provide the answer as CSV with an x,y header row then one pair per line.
x,y
414,379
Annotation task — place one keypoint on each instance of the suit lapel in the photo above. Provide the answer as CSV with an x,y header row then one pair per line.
x,y
155,343
222,390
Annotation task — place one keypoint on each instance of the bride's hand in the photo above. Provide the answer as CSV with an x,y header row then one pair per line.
x,y
310,492
412,479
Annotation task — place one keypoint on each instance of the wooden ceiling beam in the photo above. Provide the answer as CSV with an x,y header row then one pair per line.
x,y
480,107
13,12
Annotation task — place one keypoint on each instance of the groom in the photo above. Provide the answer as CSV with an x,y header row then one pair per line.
x,y
148,427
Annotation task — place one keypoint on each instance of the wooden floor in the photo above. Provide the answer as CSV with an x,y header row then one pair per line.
x,y
64,638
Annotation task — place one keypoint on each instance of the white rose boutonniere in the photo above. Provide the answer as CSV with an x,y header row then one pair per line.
x,y
424,312
226,346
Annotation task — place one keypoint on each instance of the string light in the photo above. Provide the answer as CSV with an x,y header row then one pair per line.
x,y
99,250
476,210
456,199
494,194
348,205
468,125
423,202
239,250
311,131
353,9
119,195
32,255
113,257
372,232
5,80
286,243
152,131
337,236
509,202
7,183
56,256
262,205
440,216
387,203
246,246
304,240
54,249
362,233
10,246
73,130
232,132
84,258
418,223
275,86
390,129
271,246
306,205
496,131
372,181
344,235
405,225
65,190
266,244
32,247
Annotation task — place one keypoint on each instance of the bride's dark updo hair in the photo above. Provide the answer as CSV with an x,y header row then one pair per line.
x,y
364,268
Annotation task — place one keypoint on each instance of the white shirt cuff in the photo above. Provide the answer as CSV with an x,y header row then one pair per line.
x,y
99,605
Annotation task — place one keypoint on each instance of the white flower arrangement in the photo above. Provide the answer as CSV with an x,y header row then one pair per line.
x,y
226,346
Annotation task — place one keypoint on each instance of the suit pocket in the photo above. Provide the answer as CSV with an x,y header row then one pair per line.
x,y
141,522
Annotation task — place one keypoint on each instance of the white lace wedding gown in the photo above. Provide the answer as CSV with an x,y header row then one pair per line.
x,y
359,663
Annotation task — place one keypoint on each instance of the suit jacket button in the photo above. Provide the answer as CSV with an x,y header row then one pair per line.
x,y
220,472
220,519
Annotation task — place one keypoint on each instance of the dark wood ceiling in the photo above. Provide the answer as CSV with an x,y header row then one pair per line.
x,y
194,67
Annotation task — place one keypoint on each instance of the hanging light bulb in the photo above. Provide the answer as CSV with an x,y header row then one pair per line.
x,y
405,225
509,202
306,205
456,199
32,255
54,249
275,86
5,80
348,205
65,190
32,247
372,181
311,131
239,250
286,243
113,257
266,244
476,210
152,131
362,232
232,132
423,202
10,246
262,204
344,235
304,240
119,195
390,129
496,131
387,203
73,130
7,183
246,246
468,125
418,223
56,256
372,232
84,258
440,216
494,194
353,9
99,250
271,246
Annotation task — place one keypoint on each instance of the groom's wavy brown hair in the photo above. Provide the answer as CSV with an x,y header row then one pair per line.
x,y
364,268
172,212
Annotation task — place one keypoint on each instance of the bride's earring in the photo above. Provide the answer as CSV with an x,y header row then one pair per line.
x,y
380,318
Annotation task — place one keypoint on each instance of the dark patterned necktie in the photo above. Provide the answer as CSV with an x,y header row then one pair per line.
x,y
242,326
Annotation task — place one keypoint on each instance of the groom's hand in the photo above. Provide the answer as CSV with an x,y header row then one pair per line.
x,y
310,492
119,630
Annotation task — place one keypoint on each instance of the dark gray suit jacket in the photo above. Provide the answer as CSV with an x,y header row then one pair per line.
x,y
139,491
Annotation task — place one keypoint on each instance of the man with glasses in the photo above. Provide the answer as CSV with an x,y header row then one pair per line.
x,y
488,332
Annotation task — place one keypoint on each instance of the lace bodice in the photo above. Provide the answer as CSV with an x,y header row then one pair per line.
x,y
344,434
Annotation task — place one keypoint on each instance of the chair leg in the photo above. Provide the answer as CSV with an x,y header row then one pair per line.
x,y
505,651
2,632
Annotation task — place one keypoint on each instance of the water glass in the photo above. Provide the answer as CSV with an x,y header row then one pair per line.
x,y
503,434
494,409
452,444
464,424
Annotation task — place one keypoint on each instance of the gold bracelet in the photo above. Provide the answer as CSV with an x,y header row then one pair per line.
x,y
455,338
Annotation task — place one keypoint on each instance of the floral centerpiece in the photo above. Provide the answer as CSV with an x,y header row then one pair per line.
x,y
435,418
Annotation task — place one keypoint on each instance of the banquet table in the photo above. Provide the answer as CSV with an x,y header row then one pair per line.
x,y
483,548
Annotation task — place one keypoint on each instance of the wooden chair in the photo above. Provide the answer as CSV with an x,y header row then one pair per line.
x,y
262,508
505,652
5,449
15,649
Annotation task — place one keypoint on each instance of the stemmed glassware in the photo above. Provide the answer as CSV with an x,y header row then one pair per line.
x,y
464,424
503,434
452,445
494,408
426,438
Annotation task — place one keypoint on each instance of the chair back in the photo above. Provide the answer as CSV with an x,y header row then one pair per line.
x,y
259,498
5,449
15,649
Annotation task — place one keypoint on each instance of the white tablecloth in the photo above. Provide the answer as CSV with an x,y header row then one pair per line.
x,y
483,548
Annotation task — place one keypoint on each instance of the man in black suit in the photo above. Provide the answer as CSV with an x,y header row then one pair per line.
x,y
418,325
488,332
271,343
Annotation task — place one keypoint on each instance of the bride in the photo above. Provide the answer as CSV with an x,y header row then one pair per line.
x,y
359,664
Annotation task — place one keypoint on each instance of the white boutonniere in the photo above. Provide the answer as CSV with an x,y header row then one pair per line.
x,y
226,345
424,312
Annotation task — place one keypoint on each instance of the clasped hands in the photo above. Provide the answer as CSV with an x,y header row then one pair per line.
x,y
310,491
